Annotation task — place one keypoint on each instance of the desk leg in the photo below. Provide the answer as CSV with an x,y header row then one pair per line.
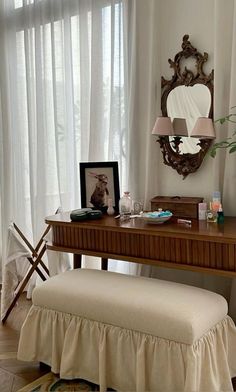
x,y
104,264
77,261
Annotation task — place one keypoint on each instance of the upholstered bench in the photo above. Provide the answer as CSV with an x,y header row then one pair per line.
x,y
131,333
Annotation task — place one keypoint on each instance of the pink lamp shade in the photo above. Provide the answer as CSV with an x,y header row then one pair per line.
x,y
203,129
163,127
180,127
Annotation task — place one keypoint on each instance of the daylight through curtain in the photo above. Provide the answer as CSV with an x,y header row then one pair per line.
x,y
62,101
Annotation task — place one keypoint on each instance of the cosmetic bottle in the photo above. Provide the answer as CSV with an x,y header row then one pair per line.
x,y
216,196
220,215
216,201
202,210
211,214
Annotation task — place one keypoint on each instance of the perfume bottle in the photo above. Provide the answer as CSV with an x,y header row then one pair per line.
x,y
211,214
220,215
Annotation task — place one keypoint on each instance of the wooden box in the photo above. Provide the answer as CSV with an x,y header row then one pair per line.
x,y
181,207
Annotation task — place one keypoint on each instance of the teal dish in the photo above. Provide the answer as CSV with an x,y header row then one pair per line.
x,y
156,217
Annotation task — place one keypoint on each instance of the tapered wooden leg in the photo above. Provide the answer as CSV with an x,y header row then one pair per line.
x,y
104,264
77,261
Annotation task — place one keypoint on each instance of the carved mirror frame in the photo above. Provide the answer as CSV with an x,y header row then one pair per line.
x,y
185,163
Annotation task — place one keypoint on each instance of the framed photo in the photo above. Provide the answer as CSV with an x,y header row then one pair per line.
x,y
99,181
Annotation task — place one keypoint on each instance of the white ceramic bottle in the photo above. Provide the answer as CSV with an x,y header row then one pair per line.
x,y
110,209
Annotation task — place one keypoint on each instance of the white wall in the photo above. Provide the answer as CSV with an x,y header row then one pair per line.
x,y
177,18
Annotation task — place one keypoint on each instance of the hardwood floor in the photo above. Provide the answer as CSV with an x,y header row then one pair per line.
x,y
15,374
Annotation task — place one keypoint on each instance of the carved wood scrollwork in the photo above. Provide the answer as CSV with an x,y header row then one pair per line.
x,y
185,163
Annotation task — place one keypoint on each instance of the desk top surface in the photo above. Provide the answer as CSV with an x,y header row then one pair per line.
x,y
225,232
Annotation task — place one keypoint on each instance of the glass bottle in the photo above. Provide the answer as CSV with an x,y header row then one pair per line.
x,y
211,214
220,215
125,206
216,201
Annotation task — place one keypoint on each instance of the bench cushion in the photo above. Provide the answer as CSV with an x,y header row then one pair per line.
x,y
165,309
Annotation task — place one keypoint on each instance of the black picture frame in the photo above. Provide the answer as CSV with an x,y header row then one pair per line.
x,y
99,181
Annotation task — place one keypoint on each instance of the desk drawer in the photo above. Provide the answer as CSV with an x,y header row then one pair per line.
x,y
181,207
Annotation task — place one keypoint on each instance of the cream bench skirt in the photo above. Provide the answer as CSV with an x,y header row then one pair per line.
x,y
131,333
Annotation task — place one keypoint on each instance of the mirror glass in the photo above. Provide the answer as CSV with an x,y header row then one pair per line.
x,y
189,102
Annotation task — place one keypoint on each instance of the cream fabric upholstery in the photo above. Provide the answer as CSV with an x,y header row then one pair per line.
x,y
103,327
169,310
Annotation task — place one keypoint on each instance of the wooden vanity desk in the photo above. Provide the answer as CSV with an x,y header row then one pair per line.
x,y
206,247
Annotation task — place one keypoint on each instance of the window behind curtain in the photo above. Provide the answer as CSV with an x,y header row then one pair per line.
x,y
66,98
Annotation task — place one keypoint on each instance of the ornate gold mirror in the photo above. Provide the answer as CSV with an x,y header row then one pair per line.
x,y
187,95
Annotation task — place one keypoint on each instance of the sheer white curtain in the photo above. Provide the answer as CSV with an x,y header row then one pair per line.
x,y
225,98
144,82
143,104
62,101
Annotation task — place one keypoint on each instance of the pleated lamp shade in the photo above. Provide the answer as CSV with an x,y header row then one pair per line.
x,y
180,127
203,129
163,127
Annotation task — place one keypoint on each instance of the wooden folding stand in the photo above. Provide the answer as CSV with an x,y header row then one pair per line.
x,y
35,260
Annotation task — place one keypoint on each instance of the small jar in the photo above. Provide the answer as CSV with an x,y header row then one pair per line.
x,y
211,214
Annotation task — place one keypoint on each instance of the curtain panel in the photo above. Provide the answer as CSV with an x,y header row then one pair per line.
x,y
62,101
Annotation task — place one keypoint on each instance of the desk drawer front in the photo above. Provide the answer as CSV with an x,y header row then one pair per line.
x,y
148,247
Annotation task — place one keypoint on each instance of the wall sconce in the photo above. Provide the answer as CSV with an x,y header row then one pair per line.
x,y
203,129
180,130
170,137
163,127
180,127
